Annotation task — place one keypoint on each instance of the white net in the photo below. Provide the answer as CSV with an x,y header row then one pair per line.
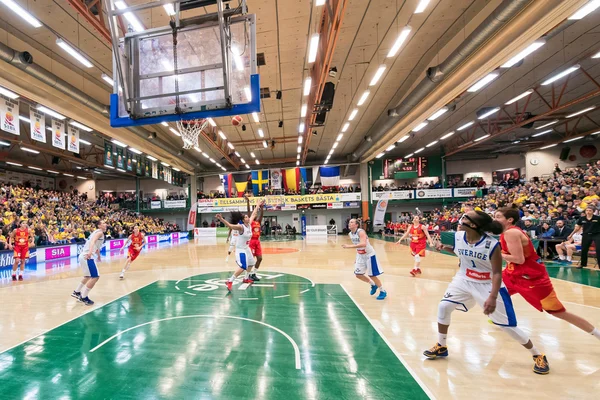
x,y
190,130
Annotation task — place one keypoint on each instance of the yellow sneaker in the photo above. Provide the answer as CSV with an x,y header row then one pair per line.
x,y
436,351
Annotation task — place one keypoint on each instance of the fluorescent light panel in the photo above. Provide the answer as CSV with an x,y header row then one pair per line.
x,y
345,127
301,127
136,151
447,135
30,150
438,113
399,41
491,112
581,112
261,133
212,122
432,143
50,112
390,147
524,53
403,138
307,86
314,47
481,138
303,110
377,75
36,168
379,155
80,126
222,135
255,117
363,98
353,114
573,139
465,126
74,53
107,79
151,158
548,124
8,93
585,10
230,145
561,75
21,12
422,6
547,147
542,133
14,163
420,126
120,144
519,97
483,82
130,17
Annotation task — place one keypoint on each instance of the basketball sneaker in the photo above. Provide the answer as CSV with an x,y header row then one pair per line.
x,y
122,276
14,277
436,351
227,259
76,295
254,278
373,289
382,295
20,277
87,301
541,365
248,280
415,272
229,285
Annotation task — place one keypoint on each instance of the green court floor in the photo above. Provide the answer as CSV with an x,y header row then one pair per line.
x,y
288,339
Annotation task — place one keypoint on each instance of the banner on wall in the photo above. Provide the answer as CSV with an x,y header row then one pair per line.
x,y
167,174
275,178
283,200
108,154
161,172
147,168
379,216
138,164
395,195
433,193
155,170
37,125
120,158
129,160
58,134
9,112
465,192
73,139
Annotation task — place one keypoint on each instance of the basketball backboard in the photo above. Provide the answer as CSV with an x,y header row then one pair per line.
x,y
199,67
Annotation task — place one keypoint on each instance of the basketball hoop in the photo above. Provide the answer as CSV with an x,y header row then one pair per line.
x,y
190,130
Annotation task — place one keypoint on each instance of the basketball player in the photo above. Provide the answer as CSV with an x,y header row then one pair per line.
x,y
136,241
255,246
243,255
86,261
418,243
479,281
525,274
20,240
366,260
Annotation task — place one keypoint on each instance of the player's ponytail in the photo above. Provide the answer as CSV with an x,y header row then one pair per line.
x,y
487,223
236,217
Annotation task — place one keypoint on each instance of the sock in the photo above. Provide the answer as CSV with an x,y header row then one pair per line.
x,y
569,259
442,338
371,282
231,279
534,351
561,257
381,289
79,287
84,292
596,333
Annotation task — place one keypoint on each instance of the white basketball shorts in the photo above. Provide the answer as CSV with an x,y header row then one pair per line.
x,y
368,265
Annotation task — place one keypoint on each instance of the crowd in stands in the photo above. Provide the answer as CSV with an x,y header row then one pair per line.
x,y
67,217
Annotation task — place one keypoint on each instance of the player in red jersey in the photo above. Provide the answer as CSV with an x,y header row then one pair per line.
x,y
418,242
254,244
20,240
136,241
526,274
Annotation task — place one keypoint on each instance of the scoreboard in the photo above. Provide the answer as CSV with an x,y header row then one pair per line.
x,y
415,165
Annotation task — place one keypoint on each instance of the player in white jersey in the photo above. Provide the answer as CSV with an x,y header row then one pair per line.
x,y
479,281
243,256
86,261
366,260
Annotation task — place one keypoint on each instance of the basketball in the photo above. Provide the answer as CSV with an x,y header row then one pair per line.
x,y
236,120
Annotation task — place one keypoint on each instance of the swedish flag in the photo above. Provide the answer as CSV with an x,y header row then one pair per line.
x,y
260,181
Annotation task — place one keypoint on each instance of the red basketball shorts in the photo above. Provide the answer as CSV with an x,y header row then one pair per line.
x,y
255,248
537,292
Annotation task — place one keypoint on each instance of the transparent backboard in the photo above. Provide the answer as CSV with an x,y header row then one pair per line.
x,y
197,83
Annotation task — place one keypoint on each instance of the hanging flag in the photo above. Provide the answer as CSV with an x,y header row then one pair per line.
x,y
260,181
161,173
241,182
120,159
227,184
129,157
58,133
138,164
9,112
73,139
191,222
379,216
108,153
147,168
37,125
291,179
330,176
276,179
154,170
306,175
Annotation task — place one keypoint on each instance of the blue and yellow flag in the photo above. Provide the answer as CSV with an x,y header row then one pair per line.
x,y
260,181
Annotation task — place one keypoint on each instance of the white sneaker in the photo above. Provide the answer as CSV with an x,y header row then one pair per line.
x,y
227,259
122,276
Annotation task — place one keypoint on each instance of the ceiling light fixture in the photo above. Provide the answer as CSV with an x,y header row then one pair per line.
x,y
80,126
585,10
36,168
230,145
422,6
14,163
175,132
597,55
432,143
261,133
379,155
3,143
314,47
22,118
222,135
420,150
519,97
247,166
164,123
301,127
205,155
488,113
299,149
420,126
151,158
130,17
299,139
257,162
353,114
8,93
438,113
265,145
120,144
581,112
252,155
212,122
243,161
136,151
561,75
390,147
88,143
255,117
106,78
377,75
74,53
298,163
573,139
481,138
69,175
345,127
363,98
307,86
303,111
524,53
17,9
53,172
399,41
547,147
50,112
403,138
409,155
447,135
465,126
548,124
483,82
30,150
339,137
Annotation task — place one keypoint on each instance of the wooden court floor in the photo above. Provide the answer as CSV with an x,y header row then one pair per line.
x,y
169,330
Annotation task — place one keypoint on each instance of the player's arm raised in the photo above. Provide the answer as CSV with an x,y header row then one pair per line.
x,y
496,259
256,209
236,227
514,247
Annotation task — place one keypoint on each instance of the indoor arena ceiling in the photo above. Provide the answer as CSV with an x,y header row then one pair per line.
x,y
369,29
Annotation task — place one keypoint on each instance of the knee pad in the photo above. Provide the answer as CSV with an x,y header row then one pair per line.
x,y
516,333
445,309
417,258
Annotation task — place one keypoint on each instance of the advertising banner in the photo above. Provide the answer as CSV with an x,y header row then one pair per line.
x,y
155,204
73,139
9,112
464,192
52,253
175,203
58,134
394,195
433,193
129,161
37,125
314,230
109,154
283,200
120,159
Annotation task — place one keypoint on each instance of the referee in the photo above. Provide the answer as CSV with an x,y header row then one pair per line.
x,y
589,224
